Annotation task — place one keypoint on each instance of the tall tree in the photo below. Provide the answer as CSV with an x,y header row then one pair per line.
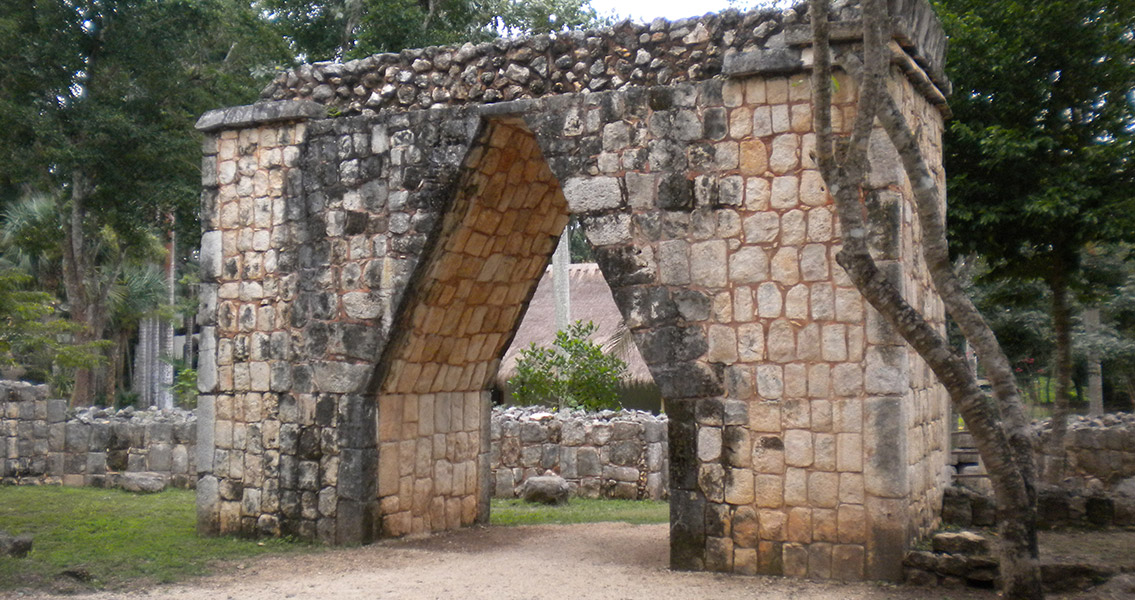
x,y
997,423
1041,153
97,103
338,29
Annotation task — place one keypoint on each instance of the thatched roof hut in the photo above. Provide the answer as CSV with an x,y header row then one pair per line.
x,y
591,300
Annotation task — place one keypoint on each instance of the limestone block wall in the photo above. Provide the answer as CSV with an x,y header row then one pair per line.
x,y
45,443
429,476
928,419
610,454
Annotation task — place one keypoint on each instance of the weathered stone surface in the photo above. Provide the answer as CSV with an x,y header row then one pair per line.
x,y
548,488
143,482
962,542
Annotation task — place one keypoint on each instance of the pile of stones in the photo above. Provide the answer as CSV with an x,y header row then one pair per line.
x,y
968,559
955,559
626,54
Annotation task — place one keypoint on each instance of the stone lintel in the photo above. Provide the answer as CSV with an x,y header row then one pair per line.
x,y
776,61
509,108
260,113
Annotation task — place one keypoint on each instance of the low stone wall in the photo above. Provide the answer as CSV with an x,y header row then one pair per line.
x,y
1100,451
602,455
1056,508
46,443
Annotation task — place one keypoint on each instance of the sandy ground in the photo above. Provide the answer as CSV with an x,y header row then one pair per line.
x,y
602,561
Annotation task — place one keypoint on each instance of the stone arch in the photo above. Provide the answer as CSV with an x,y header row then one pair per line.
x,y
465,305
353,258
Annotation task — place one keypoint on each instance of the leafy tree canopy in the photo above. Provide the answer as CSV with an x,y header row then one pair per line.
x,y
1041,153
31,334
326,29
110,89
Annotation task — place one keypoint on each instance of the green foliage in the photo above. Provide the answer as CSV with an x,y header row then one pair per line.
x,y
578,246
184,385
324,29
1018,312
31,332
111,90
114,536
1039,153
514,511
575,373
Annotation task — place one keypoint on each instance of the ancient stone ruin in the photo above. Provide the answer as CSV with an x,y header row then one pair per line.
x,y
374,230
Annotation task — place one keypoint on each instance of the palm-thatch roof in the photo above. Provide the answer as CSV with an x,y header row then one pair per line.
x,y
591,300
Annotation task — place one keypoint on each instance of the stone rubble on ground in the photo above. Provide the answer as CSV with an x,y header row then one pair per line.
x,y
548,488
16,546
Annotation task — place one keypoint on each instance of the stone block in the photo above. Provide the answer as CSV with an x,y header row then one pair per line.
x,y
739,486
708,264
749,264
589,194
785,266
798,448
887,370
885,467
886,530
588,464
674,262
795,560
847,562
823,489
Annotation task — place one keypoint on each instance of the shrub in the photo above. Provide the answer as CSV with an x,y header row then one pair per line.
x,y
574,373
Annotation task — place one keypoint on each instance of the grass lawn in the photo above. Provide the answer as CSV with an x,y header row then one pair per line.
x,y
97,538
578,510
87,538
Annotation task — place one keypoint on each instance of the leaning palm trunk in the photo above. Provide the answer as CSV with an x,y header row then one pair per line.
x,y
998,424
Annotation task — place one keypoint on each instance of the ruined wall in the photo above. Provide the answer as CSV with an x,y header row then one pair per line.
x,y
1100,452
45,443
362,271
610,454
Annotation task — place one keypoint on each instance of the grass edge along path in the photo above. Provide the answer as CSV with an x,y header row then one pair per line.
x,y
514,511
91,538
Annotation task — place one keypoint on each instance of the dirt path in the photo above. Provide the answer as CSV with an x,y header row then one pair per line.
x,y
601,561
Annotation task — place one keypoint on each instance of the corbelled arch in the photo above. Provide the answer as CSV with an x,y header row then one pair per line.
x,y
433,418
364,272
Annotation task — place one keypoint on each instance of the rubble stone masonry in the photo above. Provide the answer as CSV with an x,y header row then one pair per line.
x,y
374,231
46,443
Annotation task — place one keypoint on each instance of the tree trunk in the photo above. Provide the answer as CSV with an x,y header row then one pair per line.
x,y
117,365
1062,328
1095,368
75,283
1131,390
999,428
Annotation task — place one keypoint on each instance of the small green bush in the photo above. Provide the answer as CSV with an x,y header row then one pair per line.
x,y
575,373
